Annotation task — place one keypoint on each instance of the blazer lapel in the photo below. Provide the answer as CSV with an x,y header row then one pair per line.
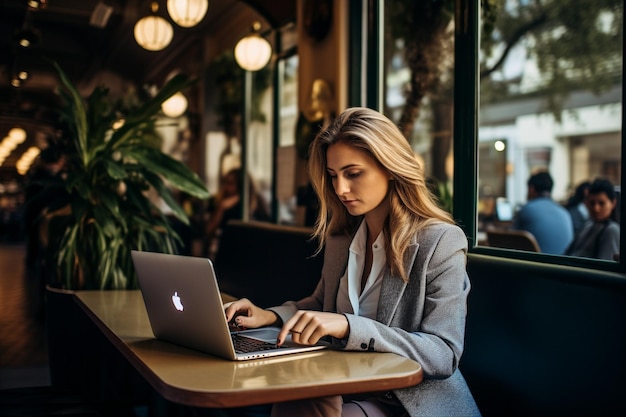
x,y
337,250
393,288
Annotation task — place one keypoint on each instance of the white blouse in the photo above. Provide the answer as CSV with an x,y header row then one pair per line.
x,y
349,298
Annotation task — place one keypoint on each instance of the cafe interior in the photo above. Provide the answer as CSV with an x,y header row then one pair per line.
x,y
222,85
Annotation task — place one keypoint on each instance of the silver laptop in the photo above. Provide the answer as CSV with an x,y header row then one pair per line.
x,y
185,307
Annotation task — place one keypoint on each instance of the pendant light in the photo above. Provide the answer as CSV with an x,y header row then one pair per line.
x,y
253,52
37,4
17,134
153,32
175,106
187,13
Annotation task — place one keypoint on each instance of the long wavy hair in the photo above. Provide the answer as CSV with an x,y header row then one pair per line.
x,y
412,206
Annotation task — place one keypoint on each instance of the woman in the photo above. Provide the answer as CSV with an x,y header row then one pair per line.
x,y
227,205
599,237
393,279
577,208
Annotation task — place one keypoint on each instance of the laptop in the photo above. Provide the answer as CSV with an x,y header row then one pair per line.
x,y
504,210
184,306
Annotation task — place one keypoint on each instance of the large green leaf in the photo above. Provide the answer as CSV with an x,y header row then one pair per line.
x,y
108,172
176,173
149,109
80,114
166,195
115,169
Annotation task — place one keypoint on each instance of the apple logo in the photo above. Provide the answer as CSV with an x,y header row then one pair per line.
x,y
176,301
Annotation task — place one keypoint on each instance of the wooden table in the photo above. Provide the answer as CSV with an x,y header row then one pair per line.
x,y
193,378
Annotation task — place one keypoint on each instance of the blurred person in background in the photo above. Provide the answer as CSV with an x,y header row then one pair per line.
x,y
227,205
577,208
599,238
545,219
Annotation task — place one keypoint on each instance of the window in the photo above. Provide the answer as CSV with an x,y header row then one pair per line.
x,y
418,84
286,151
550,81
540,91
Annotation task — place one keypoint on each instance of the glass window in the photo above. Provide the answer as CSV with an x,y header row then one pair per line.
x,y
286,152
259,144
236,97
418,83
550,102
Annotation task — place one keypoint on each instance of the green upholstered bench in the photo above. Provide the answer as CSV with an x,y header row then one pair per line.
x,y
545,340
267,263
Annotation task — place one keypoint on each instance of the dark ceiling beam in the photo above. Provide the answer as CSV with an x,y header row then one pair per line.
x,y
277,12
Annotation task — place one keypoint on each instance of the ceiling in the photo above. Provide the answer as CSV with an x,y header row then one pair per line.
x,y
74,34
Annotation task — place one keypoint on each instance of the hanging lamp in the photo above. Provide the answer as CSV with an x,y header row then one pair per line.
x,y
253,52
187,13
175,106
153,32
17,134
37,4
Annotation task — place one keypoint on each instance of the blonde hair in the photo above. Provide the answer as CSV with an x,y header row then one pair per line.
x,y
412,206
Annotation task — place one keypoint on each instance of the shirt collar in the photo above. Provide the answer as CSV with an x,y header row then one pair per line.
x,y
360,240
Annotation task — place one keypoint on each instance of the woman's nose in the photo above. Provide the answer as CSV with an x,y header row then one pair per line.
x,y
341,186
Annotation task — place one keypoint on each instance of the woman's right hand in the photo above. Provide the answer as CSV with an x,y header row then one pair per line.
x,y
243,313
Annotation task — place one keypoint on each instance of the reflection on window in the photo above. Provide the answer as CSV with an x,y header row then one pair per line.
x,y
259,144
418,66
286,153
551,91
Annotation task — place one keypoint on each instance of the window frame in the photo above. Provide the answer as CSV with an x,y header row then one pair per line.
x,y
466,110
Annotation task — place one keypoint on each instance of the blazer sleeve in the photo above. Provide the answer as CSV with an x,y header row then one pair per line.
x,y
428,324
313,302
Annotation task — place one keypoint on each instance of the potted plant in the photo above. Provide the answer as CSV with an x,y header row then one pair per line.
x,y
104,203
102,206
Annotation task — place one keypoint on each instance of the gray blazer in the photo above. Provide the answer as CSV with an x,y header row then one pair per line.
x,y
423,319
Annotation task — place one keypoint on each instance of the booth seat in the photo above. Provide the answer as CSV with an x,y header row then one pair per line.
x,y
545,340
267,263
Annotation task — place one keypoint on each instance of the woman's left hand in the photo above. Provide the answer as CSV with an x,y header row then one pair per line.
x,y
308,327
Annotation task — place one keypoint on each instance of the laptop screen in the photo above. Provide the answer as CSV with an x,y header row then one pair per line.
x,y
504,210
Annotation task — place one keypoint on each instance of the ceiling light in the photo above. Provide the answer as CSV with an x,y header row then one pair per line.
x,y
187,13
153,32
8,144
19,78
118,123
175,106
37,4
17,134
253,52
26,160
27,37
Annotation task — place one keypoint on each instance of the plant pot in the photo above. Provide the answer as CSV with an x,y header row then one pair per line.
x,y
65,338
83,361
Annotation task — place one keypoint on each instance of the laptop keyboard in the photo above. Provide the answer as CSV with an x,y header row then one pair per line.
x,y
245,344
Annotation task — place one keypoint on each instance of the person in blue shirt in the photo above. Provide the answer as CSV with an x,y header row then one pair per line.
x,y
545,219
